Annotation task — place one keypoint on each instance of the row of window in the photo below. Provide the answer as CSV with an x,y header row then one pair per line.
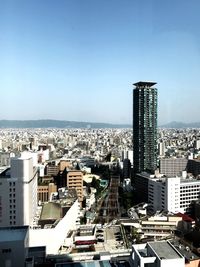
x,y
6,250
192,187
189,196
12,206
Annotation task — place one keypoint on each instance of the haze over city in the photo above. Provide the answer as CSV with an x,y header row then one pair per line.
x,y
77,60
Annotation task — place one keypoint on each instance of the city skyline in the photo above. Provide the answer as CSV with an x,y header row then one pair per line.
x,y
77,61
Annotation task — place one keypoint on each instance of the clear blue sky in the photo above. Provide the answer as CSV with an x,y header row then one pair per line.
x,y
77,59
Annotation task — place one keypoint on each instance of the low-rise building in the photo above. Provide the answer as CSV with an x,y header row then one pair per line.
x,y
159,227
158,254
57,219
14,243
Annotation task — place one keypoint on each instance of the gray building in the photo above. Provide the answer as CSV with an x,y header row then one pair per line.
x,y
4,158
173,166
14,246
193,166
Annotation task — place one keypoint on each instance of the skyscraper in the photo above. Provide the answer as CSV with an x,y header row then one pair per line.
x,y
145,127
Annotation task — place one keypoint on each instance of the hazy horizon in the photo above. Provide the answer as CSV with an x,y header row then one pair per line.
x,y
98,122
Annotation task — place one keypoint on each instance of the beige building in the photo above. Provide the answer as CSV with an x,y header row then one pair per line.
x,y
66,163
159,226
75,180
44,191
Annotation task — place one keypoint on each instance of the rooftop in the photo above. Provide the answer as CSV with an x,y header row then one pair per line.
x,y
144,84
86,264
13,233
51,211
164,250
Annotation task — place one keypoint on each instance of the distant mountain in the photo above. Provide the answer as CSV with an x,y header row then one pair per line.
x,y
176,124
57,124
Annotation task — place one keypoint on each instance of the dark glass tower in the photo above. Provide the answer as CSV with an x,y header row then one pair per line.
x,y
145,127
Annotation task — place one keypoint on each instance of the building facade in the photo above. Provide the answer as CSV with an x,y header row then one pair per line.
x,y
75,180
145,127
173,166
14,243
18,193
173,194
44,192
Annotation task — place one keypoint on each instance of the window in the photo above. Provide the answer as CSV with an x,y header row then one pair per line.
x,y
7,250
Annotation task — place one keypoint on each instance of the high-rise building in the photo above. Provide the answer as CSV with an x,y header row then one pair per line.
x,y
18,193
145,127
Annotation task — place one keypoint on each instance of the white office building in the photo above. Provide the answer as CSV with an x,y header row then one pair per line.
x,y
18,193
172,194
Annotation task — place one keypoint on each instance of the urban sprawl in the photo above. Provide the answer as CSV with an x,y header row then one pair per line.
x,y
101,197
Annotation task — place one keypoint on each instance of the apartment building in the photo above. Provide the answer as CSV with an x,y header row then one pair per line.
x,y
44,192
75,180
